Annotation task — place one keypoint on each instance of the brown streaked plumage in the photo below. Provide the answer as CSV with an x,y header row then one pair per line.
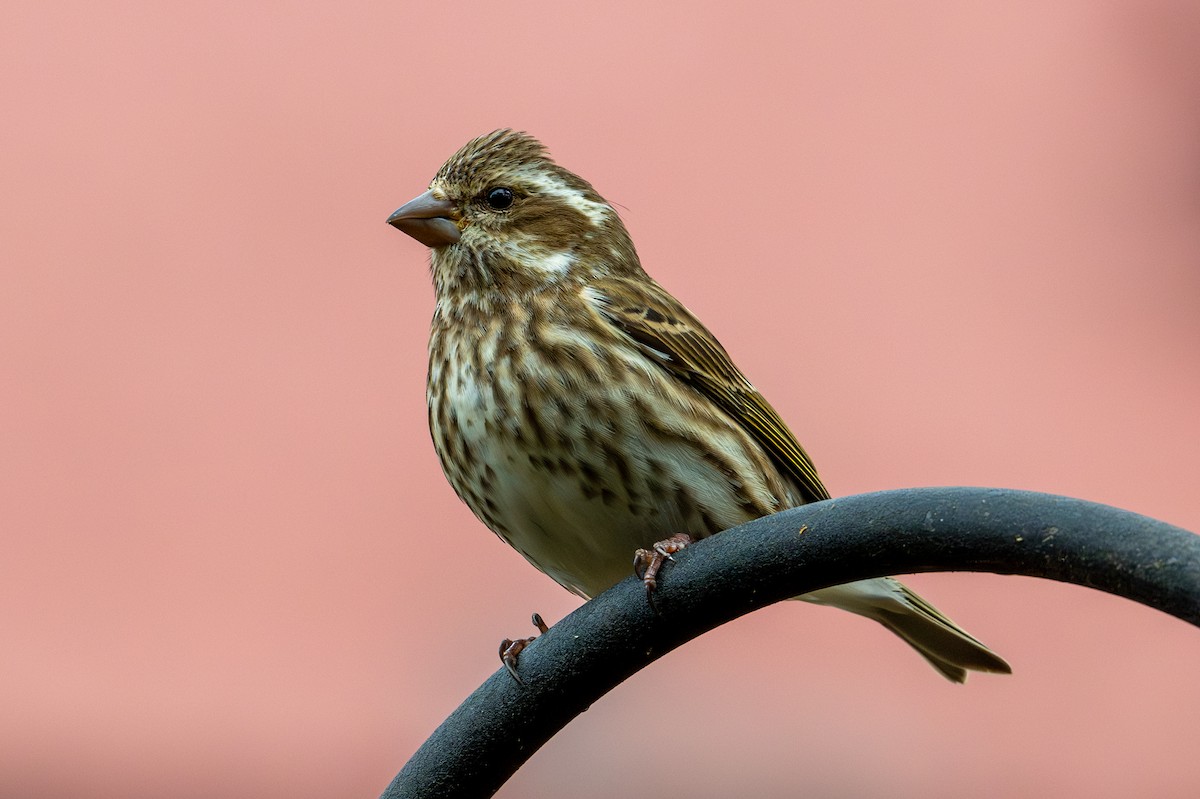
x,y
582,412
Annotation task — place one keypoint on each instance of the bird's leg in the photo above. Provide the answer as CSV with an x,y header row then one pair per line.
x,y
647,562
509,649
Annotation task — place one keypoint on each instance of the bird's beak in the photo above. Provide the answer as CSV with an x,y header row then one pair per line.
x,y
427,219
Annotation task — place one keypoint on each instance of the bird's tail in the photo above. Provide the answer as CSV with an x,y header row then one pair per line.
x,y
949,648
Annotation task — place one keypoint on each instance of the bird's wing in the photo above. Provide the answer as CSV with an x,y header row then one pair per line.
x,y
683,346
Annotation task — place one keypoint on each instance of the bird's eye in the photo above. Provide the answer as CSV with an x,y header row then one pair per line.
x,y
499,198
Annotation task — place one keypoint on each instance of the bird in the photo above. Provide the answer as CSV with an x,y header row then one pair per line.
x,y
583,413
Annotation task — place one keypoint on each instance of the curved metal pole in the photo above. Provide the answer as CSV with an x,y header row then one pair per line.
x,y
716,580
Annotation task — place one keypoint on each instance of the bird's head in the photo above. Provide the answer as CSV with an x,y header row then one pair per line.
x,y
500,215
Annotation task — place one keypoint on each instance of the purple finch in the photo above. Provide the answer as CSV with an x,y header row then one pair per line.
x,y
582,412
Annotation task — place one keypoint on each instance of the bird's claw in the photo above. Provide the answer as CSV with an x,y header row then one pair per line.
x,y
510,649
647,562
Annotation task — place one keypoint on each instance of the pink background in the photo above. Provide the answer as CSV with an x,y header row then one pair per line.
x,y
954,243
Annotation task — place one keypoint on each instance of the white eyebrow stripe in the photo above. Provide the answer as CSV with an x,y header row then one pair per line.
x,y
596,212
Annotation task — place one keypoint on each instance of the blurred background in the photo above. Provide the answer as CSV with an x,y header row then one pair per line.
x,y
954,244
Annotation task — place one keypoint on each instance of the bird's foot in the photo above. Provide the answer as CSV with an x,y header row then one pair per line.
x,y
510,650
647,562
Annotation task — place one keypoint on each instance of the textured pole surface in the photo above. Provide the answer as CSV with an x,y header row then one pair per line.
x,y
713,581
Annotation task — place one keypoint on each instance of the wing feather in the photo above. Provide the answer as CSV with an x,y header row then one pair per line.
x,y
645,312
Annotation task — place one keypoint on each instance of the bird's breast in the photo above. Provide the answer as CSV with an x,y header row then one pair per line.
x,y
577,450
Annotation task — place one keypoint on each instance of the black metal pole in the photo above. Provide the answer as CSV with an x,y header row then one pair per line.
x,y
716,580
